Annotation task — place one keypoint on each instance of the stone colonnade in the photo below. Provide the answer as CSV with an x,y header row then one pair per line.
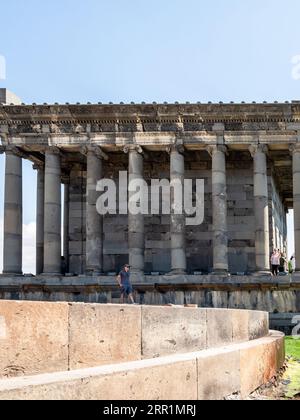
x,y
48,239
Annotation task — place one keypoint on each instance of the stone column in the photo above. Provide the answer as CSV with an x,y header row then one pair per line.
x,y
52,211
136,228
261,208
219,209
94,221
177,228
295,149
66,181
13,219
40,204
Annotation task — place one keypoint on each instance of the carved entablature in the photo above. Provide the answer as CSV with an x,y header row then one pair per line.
x,y
77,119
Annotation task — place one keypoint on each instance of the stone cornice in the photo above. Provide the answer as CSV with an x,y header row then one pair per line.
x,y
92,118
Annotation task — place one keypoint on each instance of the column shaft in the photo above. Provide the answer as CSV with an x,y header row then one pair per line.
x,y
296,186
219,210
178,227
52,221
66,225
261,208
136,228
94,221
40,204
13,224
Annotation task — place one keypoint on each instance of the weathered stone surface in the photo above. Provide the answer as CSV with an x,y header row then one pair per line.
x,y
258,325
209,374
161,379
167,330
34,338
219,332
103,334
240,325
258,364
218,374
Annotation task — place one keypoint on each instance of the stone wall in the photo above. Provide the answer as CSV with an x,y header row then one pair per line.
x,y
77,219
45,337
215,374
241,220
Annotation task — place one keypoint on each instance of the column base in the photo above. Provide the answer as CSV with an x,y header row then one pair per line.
x,y
51,275
220,272
137,276
264,273
177,272
10,274
93,273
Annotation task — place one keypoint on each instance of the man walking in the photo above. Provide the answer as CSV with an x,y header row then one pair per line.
x,y
125,284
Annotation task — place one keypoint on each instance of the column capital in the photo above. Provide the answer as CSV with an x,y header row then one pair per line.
x,y
13,150
133,148
258,148
176,147
38,166
216,148
65,179
53,149
294,148
96,150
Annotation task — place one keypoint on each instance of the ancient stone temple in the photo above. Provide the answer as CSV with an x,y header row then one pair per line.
x,y
247,154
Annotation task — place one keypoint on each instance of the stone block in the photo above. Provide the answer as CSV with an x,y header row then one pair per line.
x,y
103,334
219,327
279,345
165,379
258,325
218,374
258,364
167,330
240,325
34,338
76,247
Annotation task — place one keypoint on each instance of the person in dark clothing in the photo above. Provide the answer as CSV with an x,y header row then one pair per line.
x,y
282,263
125,284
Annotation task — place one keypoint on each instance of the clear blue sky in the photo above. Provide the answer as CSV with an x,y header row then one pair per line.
x,y
138,50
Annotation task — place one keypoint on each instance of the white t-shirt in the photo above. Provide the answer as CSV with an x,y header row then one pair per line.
x,y
275,259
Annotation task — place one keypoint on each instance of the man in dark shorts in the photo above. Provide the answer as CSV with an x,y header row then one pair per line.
x,y
125,284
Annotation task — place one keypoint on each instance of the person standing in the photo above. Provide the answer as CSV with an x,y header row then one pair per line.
x,y
282,263
125,284
275,262
291,265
